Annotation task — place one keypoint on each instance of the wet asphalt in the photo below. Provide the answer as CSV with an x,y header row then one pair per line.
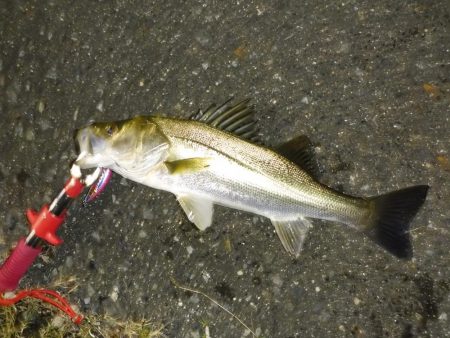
x,y
367,81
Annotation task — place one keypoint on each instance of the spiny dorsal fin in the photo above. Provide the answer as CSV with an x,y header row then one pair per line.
x,y
237,119
300,151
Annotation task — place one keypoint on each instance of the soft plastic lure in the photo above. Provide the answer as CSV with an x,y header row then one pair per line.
x,y
97,188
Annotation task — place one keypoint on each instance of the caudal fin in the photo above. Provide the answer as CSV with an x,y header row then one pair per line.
x,y
392,215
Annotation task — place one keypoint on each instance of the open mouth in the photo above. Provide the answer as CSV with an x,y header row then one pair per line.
x,y
84,147
93,149
83,142
75,141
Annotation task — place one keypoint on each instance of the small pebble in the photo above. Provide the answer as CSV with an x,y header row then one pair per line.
x,y
99,106
147,214
51,73
195,334
29,135
276,279
69,262
277,77
58,321
90,291
206,276
44,124
202,38
114,294
194,299
190,249
40,106
96,236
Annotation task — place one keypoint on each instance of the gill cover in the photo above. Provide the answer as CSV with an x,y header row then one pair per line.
x,y
128,146
138,143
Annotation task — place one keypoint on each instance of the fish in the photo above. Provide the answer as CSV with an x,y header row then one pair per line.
x,y
216,157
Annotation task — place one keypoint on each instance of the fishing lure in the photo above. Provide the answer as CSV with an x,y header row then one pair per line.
x,y
97,188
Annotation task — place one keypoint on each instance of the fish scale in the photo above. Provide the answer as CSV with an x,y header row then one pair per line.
x,y
312,198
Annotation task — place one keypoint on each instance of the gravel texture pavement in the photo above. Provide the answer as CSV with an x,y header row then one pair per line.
x,y
367,81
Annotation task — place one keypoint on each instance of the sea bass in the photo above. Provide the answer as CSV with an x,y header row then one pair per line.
x,y
214,158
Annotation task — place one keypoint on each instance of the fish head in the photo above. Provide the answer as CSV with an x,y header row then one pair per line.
x,y
131,145
93,146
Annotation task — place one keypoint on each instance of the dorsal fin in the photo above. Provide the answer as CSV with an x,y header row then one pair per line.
x,y
237,119
300,151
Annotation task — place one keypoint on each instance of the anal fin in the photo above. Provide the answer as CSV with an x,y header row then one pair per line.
x,y
292,234
198,210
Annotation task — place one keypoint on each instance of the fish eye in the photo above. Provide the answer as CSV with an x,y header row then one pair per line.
x,y
110,130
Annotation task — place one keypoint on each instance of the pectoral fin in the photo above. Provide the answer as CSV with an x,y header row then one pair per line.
x,y
197,209
292,234
187,165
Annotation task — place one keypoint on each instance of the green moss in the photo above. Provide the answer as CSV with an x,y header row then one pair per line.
x,y
32,318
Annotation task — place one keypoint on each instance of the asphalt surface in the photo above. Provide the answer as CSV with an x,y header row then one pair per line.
x,y
367,81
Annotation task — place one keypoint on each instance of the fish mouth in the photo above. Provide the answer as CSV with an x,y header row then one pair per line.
x,y
94,150
87,146
82,142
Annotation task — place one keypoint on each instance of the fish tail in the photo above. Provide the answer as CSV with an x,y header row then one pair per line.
x,y
391,216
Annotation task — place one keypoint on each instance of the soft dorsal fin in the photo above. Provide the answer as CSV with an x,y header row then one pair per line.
x,y
237,119
300,151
